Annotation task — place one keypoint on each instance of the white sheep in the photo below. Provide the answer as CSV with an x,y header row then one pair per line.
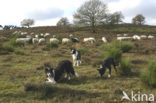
x,y
36,36
41,41
71,35
66,40
32,33
125,34
136,37
54,40
104,39
150,37
28,36
124,38
23,40
46,35
35,40
90,39
118,35
41,34
24,33
143,36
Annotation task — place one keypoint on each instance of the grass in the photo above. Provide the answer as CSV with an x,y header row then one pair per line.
x,y
19,73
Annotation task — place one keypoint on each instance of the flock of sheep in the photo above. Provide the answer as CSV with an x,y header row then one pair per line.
x,y
41,38
134,37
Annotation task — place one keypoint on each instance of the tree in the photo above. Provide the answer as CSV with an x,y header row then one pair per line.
x,y
138,19
1,27
27,22
91,13
9,27
114,18
63,22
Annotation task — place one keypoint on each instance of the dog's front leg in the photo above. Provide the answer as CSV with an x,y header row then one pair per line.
x,y
68,76
77,62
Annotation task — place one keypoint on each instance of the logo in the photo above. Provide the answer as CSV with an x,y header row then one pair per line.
x,y
137,96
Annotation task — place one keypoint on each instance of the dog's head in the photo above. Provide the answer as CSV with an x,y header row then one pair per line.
x,y
73,50
101,71
49,71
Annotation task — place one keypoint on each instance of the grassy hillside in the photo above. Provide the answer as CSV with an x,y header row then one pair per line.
x,y
19,70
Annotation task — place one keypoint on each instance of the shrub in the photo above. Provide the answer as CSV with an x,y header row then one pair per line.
x,y
19,52
125,67
84,50
126,46
114,53
52,45
13,42
8,47
148,75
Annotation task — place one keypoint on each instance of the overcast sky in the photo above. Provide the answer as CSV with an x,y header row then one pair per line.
x,y
48,12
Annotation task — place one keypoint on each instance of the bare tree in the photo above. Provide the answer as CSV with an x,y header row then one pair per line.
x,y
116,18
27,22
138,19
91,13
63,22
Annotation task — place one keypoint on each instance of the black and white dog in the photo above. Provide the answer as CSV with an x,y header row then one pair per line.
x,y
76,57
53,75
107,64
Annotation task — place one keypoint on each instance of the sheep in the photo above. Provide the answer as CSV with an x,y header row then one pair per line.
x,y
66,40
136,37
118,35
35,40
28,36
90,39
46,35
124,38
54,40
32,33
104,39
54,36
75,40
23,40
150,37
36,36
71,35
41,41
24,33
125,34
143,36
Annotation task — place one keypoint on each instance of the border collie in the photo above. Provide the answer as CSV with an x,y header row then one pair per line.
x,y
53,75
76,56
107,64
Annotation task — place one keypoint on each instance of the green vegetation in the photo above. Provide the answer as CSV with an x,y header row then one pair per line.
x,y
148,75
125,67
